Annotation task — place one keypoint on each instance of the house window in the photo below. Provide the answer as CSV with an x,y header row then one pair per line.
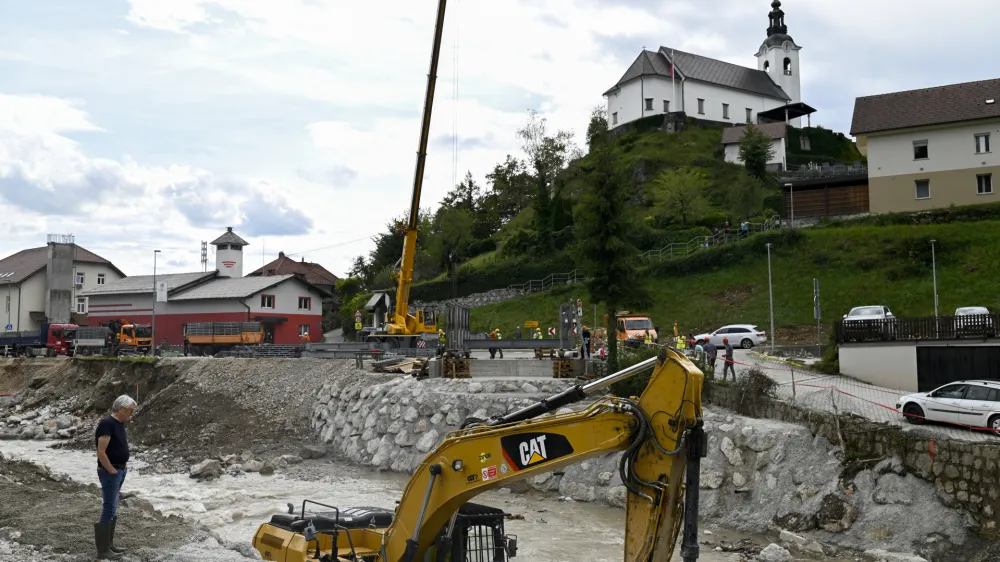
x,y
270,272
923,189
666,106
701,106
100,278
267,301
649,104
79,278
614,118
305,303
920,150
725,111
303,330
984,184
749,115
982,143
81,305
804,143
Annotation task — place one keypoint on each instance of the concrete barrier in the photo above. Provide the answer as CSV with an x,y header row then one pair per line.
x,y
516,368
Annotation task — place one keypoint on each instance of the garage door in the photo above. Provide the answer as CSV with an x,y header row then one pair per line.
x,y
941,365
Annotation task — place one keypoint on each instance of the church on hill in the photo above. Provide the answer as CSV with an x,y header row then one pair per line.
x,y
671,81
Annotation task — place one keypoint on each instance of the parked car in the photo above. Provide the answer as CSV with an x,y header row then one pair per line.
x,y
974,320
973,403
740,335
864,323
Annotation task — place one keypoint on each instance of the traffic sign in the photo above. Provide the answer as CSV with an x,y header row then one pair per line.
x,y
531,324
552,331
579,307
357,315
816,310
9,327
357,325
574,330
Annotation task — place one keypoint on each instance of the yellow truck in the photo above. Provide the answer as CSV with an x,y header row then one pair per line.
x,y
209,338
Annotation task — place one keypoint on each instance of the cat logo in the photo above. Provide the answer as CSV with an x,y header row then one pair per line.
x,y
532,449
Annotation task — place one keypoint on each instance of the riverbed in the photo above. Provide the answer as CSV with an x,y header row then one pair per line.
x,y
234,506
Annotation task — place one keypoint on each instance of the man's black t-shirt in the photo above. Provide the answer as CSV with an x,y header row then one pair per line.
x,y
118,445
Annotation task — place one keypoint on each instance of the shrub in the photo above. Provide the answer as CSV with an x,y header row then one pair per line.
x,y
754,387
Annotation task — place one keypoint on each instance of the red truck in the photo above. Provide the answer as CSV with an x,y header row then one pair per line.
x,y
48,341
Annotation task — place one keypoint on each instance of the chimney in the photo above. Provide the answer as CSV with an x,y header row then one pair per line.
x,y
281,255
303,259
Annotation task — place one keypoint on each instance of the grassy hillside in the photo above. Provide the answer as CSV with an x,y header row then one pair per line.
x,y
856,265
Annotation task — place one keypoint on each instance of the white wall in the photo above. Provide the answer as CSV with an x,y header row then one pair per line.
x,y
230,253
954,148
286,299
32,299
629,102
778,146
90,273
889,365
791,84
715,96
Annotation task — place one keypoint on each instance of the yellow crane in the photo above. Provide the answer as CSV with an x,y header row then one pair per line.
x,y
402,328
660,434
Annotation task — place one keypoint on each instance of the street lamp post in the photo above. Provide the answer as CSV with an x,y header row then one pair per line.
x,y
152,333
770,292
934,274
791,204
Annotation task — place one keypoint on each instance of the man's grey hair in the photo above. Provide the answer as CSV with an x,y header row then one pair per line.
x,y
122,402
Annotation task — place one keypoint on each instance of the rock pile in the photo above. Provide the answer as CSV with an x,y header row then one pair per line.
x,y
53,421
248,462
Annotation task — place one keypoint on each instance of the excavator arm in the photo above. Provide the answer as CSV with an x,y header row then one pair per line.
x,y
660,434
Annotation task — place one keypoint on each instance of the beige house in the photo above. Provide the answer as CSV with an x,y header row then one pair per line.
x,y
930,148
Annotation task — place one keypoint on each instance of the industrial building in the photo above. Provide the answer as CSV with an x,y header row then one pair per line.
x,y
287,305
47,284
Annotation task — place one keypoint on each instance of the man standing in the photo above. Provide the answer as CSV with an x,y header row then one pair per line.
x,y
728,367
586,343
112,458
711,352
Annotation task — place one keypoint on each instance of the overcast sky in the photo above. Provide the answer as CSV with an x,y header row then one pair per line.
x,y
145,124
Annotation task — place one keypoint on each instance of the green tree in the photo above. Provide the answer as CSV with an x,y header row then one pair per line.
x,y
680,193
452,233
603,250
756,151
746,196
543,208
511,183
598,124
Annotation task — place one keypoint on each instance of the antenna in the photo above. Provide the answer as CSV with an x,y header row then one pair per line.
x,y
204,256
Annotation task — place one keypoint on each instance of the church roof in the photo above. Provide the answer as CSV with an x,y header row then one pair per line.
x,y
721,73
954,103
703,69
230,237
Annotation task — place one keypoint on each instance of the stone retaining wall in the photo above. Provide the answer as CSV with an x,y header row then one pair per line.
x,y
474,300
964,474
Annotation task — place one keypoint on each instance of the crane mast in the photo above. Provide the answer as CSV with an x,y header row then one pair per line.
x,y
404,323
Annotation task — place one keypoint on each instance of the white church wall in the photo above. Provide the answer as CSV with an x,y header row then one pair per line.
x,y
629,103
715,96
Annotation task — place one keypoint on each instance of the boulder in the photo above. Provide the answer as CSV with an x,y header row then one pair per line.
x,y
313,451
774,553
206,469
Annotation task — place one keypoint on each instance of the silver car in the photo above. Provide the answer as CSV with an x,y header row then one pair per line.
x,y
973,403
740,335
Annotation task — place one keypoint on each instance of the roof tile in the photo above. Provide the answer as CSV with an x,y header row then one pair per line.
x,y
927,106
142,284
26,263
732,135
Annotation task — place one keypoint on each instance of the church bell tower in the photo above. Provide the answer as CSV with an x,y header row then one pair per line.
x,y
779,56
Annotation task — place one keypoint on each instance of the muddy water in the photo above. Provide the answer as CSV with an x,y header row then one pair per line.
x,y
552,530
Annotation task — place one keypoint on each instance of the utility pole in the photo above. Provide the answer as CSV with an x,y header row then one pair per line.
x,y
934,270
791,203
152,335
770,292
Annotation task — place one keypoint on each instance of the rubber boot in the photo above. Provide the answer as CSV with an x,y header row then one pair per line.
x,y
102,536
111,541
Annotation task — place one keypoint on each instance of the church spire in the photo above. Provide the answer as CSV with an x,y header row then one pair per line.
x,y
777,20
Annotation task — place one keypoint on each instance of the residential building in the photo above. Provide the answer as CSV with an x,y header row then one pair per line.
x,y
287,305
48,283
668,81
932,147
777,132
313,273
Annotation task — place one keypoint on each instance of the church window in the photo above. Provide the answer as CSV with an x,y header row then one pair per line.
x,y
767,65
788,66
920,151
701,106
614,118
725,111
649,104
666,106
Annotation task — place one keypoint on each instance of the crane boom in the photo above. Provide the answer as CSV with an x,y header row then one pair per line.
x,y
402,322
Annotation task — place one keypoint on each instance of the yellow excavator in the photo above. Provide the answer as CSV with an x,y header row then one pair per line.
x,y
660,434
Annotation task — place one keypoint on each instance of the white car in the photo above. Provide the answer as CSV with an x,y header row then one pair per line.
x,y
974,320
860,313
740,335
867,323
973,403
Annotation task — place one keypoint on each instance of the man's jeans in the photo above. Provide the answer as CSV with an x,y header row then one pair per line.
x,y
111,485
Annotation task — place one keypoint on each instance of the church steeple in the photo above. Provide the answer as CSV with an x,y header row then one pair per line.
x,y
777,20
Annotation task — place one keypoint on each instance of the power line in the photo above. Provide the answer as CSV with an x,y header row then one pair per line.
x,y
369,237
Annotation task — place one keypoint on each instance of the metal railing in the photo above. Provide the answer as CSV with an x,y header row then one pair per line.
x,y
550,281
684,249
806,171
979,326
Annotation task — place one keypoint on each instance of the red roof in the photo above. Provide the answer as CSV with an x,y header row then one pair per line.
x,y
314,273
